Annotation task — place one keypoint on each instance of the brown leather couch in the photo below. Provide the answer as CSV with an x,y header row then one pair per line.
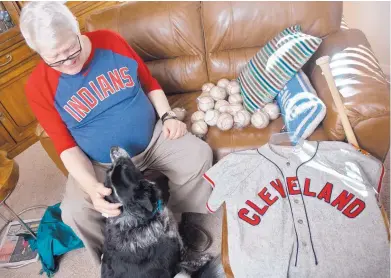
x,y
186,44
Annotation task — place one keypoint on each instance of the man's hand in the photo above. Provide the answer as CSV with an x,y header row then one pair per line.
x,y
97,194
174,129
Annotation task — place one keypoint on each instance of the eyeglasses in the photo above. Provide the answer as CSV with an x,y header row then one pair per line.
x,y
70,57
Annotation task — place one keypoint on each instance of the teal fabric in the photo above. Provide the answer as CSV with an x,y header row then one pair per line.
x,y
54,238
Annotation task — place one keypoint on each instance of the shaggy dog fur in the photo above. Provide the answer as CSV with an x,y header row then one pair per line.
x,y
143,241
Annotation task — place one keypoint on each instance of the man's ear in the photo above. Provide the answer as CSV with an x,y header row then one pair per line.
x,y
117,152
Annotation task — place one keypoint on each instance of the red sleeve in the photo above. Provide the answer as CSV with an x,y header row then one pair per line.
x,y
148,82
41,101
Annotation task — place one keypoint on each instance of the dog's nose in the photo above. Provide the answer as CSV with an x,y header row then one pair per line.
x,y
116,152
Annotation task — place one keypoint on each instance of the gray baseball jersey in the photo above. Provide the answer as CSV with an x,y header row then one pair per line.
x,y
304,211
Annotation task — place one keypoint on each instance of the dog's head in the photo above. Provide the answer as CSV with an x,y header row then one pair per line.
x,y
139,196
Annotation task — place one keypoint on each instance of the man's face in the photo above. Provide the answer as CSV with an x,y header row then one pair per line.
x,y
68,56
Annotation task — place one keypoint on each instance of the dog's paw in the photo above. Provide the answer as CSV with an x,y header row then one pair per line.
x,y
192,266
205,258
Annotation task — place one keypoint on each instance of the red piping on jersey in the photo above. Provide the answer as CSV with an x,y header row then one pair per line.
x,y
209,180
380,180
207,205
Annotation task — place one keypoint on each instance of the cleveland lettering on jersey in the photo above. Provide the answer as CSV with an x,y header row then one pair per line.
x,y
345,202
86,99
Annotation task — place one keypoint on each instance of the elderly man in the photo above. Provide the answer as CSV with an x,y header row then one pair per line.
x,y
92,91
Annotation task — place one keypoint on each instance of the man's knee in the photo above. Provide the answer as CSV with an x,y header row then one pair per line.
x,y
203,154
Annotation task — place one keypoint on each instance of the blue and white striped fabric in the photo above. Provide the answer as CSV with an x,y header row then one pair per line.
x,y
300,107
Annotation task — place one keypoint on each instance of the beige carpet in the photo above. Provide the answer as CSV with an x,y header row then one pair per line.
x,y
41,183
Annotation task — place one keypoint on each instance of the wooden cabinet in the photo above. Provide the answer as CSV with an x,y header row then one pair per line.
x,y
6,141
17,60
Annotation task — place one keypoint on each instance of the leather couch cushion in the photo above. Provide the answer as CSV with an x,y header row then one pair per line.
x,y
363,87
225,142
234,31
167,36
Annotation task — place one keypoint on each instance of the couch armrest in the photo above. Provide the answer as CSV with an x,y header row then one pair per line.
x,y
363,88
48,145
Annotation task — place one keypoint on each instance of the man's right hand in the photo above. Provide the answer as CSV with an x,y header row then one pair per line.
x,y
97,194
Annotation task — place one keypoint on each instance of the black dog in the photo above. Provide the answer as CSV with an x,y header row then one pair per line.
x,y
143,241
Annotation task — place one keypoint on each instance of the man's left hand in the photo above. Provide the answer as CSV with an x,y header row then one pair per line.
x,y
174,129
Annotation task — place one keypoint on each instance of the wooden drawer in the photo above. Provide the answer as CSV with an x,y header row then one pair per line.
x,y
14,55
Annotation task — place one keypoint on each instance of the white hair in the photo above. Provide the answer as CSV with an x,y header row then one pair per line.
x,y
46,23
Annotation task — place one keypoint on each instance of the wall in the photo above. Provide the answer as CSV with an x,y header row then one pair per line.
x,y
373,18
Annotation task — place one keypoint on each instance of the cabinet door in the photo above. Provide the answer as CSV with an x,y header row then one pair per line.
x,y
19,119
6,141
9,20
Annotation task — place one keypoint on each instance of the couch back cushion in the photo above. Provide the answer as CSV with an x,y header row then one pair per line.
x,y
167,35
235,31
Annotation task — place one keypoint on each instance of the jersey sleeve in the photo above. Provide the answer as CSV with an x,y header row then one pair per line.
x,y
148,82
225,177
42,105
359,165
374,170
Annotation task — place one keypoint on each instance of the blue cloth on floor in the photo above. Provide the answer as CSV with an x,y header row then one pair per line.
x,y
54,238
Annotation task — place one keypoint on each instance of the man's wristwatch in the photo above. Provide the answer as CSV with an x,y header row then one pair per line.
x,y
169,115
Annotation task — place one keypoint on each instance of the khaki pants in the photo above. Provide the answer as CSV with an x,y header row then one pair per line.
x,y
183,161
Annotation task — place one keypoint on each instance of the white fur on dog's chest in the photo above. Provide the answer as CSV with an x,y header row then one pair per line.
x,y
182,275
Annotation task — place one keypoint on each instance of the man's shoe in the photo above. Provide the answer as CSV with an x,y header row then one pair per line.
x,y
194,236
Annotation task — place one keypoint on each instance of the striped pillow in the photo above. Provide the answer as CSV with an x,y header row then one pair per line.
x,y
300,107
274,65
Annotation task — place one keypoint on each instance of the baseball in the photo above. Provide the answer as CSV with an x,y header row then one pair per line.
x,y
225,121
225,109
235,108
197,116
223,82
260,119
180,113
233,87
206,87
221,103
242,119
211,117
199,128
205,103
218,93
235,99
272,110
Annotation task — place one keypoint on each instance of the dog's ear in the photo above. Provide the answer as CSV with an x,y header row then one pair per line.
x,y
117,152
146,203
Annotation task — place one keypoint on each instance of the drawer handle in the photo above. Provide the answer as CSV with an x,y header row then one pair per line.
x,y
9,59
2,117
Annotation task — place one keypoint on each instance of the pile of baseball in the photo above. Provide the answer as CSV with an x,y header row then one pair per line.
x,y
221,105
